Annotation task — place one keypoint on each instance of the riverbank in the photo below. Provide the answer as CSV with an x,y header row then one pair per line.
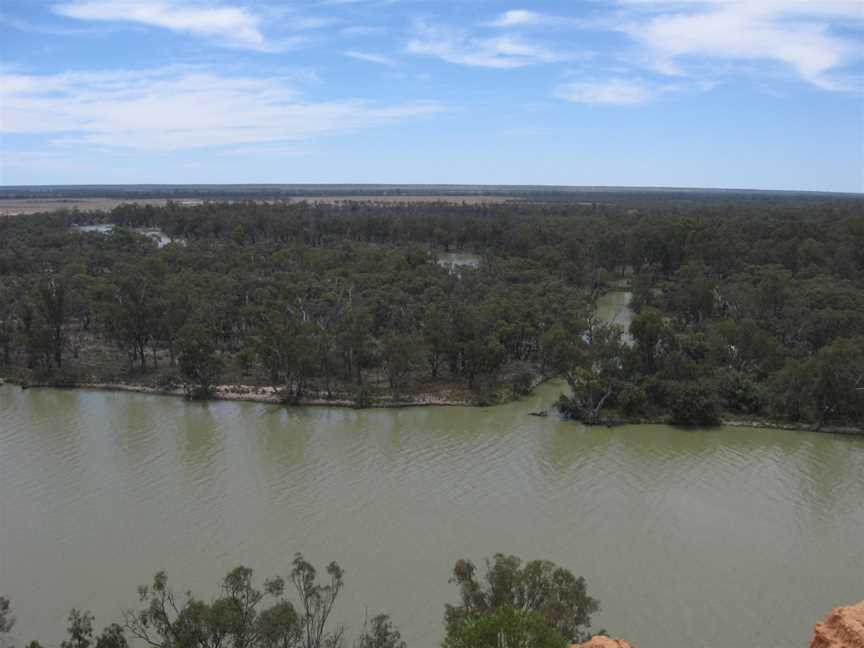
x,y
255,394
268,395
760,423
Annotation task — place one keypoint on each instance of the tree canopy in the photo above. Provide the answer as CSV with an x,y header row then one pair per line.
x,y
749,300
517,605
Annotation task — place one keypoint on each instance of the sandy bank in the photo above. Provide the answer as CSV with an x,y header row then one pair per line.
x,y
258,394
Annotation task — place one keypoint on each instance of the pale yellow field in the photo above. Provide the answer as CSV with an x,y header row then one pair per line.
x,y
15,206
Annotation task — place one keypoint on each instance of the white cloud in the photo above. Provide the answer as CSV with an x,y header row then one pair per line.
x,y
519,17
837,8
503,52
794,32
177,108
527,18
611,92
370,57
228,25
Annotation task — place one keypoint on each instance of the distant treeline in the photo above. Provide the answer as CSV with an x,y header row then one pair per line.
x,y
622,196
745,308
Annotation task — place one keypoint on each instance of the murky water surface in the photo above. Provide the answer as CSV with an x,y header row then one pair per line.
x,y
724,537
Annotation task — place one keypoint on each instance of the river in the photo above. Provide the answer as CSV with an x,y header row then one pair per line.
x,y
720,538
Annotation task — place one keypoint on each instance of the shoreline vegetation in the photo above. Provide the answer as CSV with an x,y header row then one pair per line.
x,y
741,311
268,396
514,603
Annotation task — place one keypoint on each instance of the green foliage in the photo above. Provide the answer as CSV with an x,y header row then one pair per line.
x,y
7,620
830,385
693,298
693,403
380,633
504,628
744,293
522,383
362,398
401,353
484,392
739,392
632,399
62,377
243,616
131,306
170,380
80,633
653,338
532,605
589,355
838,380
642,290
790,392
514,597
199,363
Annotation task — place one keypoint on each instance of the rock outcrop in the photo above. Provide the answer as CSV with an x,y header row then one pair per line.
x,y
844,628
604,642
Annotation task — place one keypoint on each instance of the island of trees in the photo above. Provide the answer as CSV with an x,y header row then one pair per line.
x,y
747,309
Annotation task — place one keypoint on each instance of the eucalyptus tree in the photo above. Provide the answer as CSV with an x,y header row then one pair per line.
x,y
589,354
535,601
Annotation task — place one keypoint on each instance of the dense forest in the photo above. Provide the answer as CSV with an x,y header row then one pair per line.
x,y
535,604
744,309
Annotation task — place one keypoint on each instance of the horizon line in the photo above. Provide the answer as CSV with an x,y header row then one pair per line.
x,y
465,186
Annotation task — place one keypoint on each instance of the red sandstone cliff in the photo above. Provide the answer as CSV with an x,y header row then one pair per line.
x,y
844,628
605,642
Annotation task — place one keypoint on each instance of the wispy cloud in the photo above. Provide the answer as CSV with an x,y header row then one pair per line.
x,y
463,48
228,25
518,18
797,33
161,109
528,18
371,57
628,91
40,28
610,92
681,37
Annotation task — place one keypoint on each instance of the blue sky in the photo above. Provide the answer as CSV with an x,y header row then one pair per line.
x,y
699,93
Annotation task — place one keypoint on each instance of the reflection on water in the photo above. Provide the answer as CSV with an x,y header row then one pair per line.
x,y
721,537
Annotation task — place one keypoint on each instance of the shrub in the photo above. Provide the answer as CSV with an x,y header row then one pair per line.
x,y
739,392
693,404
523,382
362,398
632,399
64,377
170,380
485,390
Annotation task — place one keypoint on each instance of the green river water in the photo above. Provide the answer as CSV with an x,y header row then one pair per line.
x,y
724,538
